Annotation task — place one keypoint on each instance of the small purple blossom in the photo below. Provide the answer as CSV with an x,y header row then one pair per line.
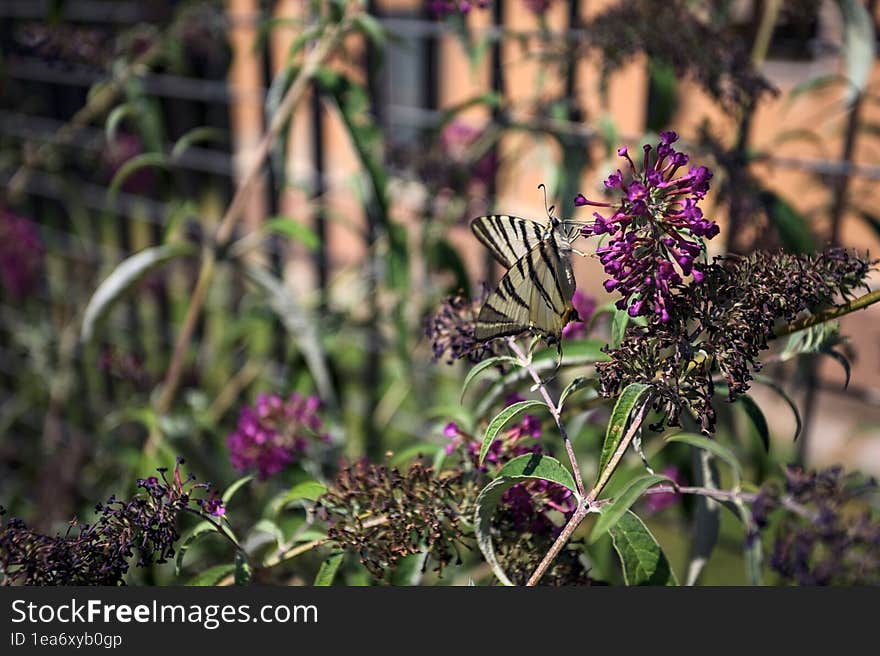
x,y
21,255
585,306
656,231
273,433
452,330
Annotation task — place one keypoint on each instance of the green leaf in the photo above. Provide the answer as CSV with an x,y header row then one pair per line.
x,y
859,45
535,465
194,136
818,83
576,385
409,453
628,403
641,557
844,362
772,384
443,257
619,323
132,166
212,576
235,487
713,447
299,325
126,273
372,29
792,226
243,570
290,227
612,512
754,412
528,466
309,490
707,516
501,419
662,94
482,366
197,532
115,118
328,569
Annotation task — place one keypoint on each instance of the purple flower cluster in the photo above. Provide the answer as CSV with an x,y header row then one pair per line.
x,y
585,306
21,255
656,232
273,433
444,8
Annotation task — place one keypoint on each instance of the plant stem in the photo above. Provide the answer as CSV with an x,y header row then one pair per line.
x,y
589,502
322,50
554,411
859,303
574,521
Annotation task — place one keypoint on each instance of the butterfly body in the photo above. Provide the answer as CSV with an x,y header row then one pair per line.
x,y
535,293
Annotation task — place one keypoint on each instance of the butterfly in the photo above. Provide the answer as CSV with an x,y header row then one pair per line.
x,y
535,293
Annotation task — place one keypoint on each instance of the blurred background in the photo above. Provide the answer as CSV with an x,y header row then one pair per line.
x,y
124,125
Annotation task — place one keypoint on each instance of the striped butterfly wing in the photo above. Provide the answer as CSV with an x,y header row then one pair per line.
x,y
508,238
534,295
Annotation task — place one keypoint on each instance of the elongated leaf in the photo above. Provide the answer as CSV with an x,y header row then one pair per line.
x,y
633,397
483,366
713,447
290,227
859,45
329,568
529,466
707,515
131,167
641,557
235,487
443,257
612,512
126,273
196,135
754,412
764,380
199,530
115,118
411,452
243,571
300,326
818,83
792,226
619,324
577,384
501,419
843,361
212,575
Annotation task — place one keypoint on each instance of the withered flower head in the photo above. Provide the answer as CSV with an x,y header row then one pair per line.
x,y
451,330
101,553
726,321
832,538
384,514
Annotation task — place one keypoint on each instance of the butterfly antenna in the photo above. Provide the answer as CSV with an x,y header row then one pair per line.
x,y
549,209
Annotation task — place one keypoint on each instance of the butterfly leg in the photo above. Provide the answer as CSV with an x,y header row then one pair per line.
x,y
581,253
